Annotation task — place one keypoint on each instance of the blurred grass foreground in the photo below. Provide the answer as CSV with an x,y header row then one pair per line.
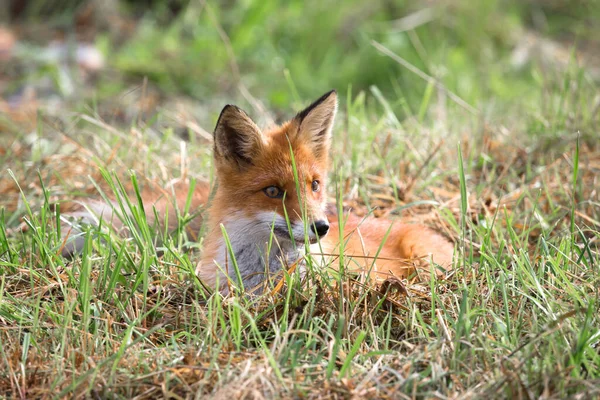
x,y
478,118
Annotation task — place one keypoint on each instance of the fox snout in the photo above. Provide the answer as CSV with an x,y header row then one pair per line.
x,y
320,227
315,229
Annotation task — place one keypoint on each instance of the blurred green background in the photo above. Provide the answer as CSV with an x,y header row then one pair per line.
x,y
498,56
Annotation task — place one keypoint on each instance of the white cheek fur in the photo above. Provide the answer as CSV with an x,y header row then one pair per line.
x,y
279,226
257,251
262,246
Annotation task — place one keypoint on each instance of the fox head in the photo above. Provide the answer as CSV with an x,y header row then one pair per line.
x,y
270,177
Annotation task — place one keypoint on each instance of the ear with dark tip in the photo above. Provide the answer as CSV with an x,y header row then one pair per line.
x,y
315,123
237,138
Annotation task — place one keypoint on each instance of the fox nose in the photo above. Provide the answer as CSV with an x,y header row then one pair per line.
x,y
320,227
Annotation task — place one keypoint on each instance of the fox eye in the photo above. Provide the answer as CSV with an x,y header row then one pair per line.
x,y
315,186
273,192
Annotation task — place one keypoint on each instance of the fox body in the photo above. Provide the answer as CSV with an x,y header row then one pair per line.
x,y
270,206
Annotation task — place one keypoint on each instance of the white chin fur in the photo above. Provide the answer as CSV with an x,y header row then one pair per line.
x,y
279,227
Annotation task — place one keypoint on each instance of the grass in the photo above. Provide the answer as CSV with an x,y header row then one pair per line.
x,y
513,183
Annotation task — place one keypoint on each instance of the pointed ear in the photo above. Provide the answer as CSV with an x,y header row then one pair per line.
x,y
316,121
237,138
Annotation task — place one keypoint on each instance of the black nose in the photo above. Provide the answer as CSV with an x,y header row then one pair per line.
x,y
320,227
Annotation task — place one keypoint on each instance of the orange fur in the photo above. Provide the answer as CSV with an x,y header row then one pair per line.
x,y
406,247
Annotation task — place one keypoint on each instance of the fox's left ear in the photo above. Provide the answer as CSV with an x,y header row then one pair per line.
x,y
316,122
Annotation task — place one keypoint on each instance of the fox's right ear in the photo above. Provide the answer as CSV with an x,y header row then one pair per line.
x,y
237,138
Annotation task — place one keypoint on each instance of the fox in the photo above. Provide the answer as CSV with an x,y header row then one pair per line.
x,y
270,212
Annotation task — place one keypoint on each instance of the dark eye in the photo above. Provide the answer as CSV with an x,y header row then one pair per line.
x,y
273,192
315,186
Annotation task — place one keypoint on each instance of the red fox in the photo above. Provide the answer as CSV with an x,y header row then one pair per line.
x,y
270,203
